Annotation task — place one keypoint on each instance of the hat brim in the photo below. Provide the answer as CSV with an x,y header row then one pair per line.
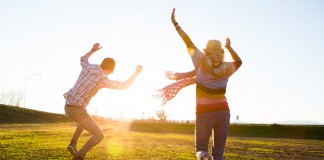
x,y
207,51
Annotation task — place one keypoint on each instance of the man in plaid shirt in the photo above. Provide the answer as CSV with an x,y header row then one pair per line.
x,y
92,78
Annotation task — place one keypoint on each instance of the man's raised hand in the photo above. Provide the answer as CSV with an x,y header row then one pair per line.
x,y
139,68
96,47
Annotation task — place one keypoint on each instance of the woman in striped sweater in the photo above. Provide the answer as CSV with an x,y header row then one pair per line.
x,y
210,75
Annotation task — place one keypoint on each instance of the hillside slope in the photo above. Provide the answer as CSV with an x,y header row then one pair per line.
x,y
11,114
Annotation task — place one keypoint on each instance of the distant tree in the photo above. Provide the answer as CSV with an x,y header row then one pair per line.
x,y
161,115
151,119
12,98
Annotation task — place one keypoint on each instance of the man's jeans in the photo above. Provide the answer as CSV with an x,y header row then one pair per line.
x,y
218,122
84,121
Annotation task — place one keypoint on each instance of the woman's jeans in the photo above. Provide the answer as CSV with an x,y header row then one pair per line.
x,y
84,121
219,123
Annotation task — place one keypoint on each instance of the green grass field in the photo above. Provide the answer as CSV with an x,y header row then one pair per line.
x,y
34,135
138,141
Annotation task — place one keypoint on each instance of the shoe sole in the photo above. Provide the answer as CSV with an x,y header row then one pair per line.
x,y
71,150
206,158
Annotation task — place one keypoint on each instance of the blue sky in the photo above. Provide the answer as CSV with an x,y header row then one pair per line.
x,y
280,43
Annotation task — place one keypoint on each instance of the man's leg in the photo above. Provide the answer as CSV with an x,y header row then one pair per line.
x,y
84,121
97,136
72,146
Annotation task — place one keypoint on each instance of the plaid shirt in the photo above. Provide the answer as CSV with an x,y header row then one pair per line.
x,y
90,80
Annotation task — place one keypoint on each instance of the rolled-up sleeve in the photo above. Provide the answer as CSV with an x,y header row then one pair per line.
x,y
114,84
227,68
84,61
237,64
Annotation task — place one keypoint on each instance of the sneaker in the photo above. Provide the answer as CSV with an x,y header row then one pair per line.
x,y
206,157
76,157
72,149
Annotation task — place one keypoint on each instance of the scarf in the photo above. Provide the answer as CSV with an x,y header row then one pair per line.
x,y
170,91
185,79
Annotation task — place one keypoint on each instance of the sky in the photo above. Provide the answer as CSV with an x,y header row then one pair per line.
x,y
280,43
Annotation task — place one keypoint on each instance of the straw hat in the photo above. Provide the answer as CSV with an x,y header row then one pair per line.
x,y
213,47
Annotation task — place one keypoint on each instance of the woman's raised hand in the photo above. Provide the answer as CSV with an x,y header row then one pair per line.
x,y
173,16
228,43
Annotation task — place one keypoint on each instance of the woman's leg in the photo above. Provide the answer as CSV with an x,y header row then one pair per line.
x,y
203,131
220,131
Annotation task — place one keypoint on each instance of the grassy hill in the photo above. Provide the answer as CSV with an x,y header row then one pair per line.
x,y
241,130
11,114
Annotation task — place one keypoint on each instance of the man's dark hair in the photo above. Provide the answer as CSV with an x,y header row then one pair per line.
x,y
108,64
